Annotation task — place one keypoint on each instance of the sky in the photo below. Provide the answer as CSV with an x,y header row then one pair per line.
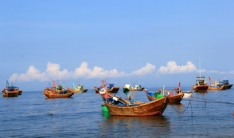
x,y
152,43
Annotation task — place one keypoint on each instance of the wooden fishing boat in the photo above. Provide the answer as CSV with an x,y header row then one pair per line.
x,y
216,85
53,93
57,91
109,87
130,87
200,85
114,89
11,90
151,108
226,84
175,99
77,90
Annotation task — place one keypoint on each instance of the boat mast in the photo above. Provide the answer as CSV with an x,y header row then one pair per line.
x,y
163,90
179,86
199,66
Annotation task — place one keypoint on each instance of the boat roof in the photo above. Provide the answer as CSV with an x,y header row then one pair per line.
x,y
201,77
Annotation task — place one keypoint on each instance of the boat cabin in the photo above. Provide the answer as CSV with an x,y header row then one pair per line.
x,y
201,80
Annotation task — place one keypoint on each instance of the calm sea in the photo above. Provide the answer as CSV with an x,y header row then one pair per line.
x,y
33,115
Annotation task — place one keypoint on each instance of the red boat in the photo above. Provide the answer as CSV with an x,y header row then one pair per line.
x,y
201,85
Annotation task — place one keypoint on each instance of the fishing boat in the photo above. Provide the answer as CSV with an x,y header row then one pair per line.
x,y
216,88
216,85
77,89
226,83
175,99
11,90
9,93
110,90
109,87
200,85
57,93
130,87
172,99
151,108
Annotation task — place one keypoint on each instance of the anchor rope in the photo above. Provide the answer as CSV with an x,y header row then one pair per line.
x,y
184,109
200,100
208,101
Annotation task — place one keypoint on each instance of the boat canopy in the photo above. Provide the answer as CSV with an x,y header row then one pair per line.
x,y
225,81
127,86
201,77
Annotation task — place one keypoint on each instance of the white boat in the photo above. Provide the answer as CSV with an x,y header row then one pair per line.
x,y
135,87
187,94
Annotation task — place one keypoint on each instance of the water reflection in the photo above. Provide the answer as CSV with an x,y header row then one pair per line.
x,y
105,114
149,126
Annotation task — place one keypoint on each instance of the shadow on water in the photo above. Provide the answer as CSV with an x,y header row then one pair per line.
x,y
149,126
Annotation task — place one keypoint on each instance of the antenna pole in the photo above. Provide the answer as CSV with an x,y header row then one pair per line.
x,y
199,66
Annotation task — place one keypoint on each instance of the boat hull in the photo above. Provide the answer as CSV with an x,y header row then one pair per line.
x,y
201,88
223,87
152,108
229,86
10,93
176,99
19,92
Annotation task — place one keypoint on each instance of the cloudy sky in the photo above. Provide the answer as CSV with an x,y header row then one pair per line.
x,y
153,43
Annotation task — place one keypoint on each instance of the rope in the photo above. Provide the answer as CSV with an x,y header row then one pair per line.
x,y
209,101
185,108
202,100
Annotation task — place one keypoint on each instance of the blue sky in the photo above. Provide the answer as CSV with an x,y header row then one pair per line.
x,y
150,42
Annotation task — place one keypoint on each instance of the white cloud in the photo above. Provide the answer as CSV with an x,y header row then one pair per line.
x,y
96,72
53,71
31,74
232,72
148,68
217,72
173,68
222,72
214,71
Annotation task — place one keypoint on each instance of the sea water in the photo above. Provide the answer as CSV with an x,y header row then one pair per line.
x,y
33,115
